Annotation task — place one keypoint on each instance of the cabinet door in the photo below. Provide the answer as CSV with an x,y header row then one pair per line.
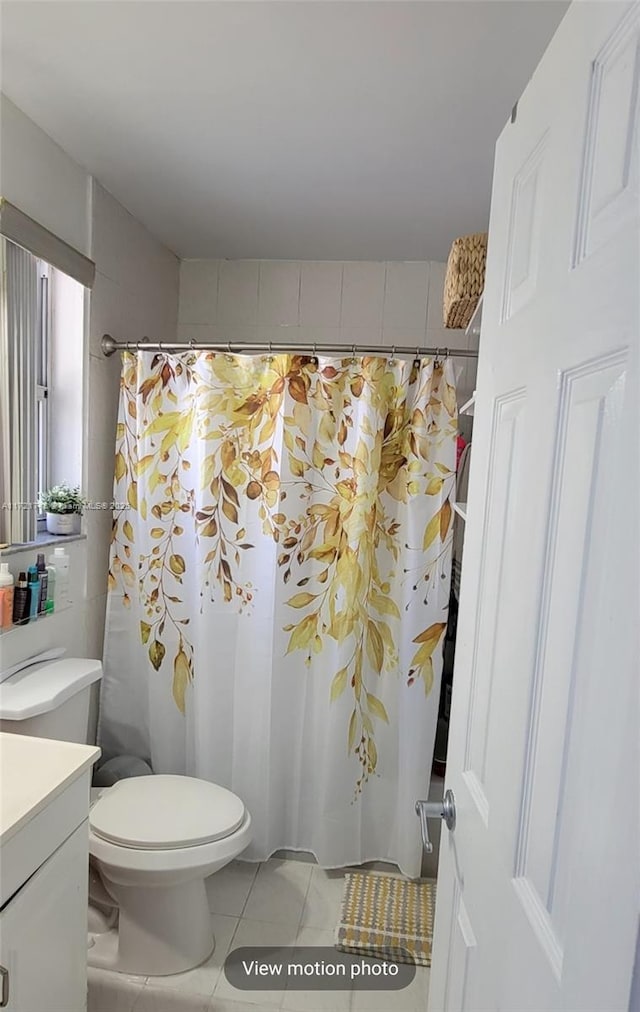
x,y
43,933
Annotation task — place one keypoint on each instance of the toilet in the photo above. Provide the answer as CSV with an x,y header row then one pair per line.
x,y
153,840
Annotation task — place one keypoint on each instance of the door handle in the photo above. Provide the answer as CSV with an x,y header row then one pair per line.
x,y
4,987
445,810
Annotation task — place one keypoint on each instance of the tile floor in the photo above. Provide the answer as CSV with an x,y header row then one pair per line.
x,y
278,902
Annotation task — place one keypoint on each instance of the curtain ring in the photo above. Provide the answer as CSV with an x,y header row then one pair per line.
x,y
416,361
353,353
314,357
229,352
392,357
270,355
192,344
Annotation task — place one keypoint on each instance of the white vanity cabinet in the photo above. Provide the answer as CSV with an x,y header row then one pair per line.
x,y
44,803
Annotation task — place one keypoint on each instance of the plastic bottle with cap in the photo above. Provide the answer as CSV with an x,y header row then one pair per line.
x,y
33,581
51,588
60,561
43,576
21,600
6,596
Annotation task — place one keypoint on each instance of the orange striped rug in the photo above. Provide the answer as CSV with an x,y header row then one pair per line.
x,y
388,917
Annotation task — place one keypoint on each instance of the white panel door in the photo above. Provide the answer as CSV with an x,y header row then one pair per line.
x,y
539,883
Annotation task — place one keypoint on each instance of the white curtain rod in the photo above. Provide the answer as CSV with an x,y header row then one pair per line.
x,y
109,346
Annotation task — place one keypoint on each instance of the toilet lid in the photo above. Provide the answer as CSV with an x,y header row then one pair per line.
x,y
165,813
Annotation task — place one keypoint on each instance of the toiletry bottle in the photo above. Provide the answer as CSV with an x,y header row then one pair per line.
x,y
44,580
51,588
21,600
34,591
6,596
60,560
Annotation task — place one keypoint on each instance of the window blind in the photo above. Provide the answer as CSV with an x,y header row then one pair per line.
x,y
18,393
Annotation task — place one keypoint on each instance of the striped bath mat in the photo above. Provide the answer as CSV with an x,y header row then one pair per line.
x,y
388,917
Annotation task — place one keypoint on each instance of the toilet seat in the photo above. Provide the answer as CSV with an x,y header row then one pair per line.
x,y
134,864
164,812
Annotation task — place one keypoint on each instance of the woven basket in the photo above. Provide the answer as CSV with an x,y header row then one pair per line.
x,y
464,280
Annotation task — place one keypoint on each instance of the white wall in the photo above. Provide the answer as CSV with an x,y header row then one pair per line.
x,y
135,293
351,302
39,177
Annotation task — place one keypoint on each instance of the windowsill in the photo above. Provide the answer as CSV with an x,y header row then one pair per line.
x,y
41,540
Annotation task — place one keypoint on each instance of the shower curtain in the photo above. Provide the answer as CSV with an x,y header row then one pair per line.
x,y
278,588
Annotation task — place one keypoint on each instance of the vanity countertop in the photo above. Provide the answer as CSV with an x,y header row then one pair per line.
x,y
32,772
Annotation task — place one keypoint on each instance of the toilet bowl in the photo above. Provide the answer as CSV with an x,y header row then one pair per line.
x,y
153,841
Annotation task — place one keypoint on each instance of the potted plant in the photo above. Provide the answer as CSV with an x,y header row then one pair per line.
x,y
63,506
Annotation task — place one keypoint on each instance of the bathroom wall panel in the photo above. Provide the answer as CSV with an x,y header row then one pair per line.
x,y
135,295
320,293
41,179
337,302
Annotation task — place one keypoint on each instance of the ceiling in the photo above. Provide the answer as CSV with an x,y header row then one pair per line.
x,y
285,130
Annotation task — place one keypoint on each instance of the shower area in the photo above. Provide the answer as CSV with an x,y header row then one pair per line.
x,y
279,580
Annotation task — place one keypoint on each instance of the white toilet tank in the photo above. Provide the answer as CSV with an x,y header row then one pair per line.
x,y
50,700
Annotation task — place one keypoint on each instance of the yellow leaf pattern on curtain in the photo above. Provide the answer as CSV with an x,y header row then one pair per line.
x,y
344,462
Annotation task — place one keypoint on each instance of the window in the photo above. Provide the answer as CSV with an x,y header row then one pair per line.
x,y
43,374
41,387
43,282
